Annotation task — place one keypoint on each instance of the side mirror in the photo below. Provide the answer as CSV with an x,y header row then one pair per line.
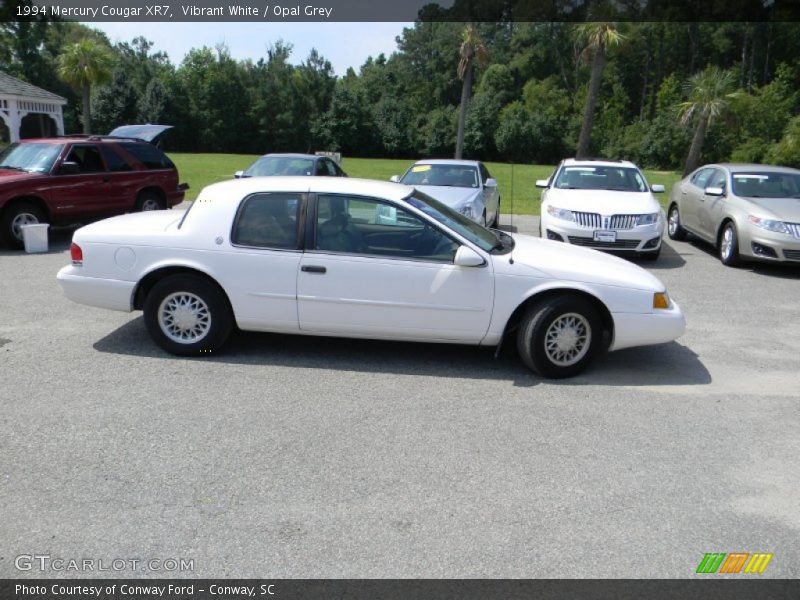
x,y
657,188
490,183
542,183
238,174
395,178
467,257
69,168
715,191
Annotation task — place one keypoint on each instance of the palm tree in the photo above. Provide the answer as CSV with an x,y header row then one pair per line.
x,y
598,36
709,93
82,65
472,48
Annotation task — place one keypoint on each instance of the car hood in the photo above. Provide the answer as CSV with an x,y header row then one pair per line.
x,y
604,202
453,197
572,263
9,175
129,227
782,209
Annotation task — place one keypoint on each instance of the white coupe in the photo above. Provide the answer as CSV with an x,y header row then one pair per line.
x,y
602,204
357,258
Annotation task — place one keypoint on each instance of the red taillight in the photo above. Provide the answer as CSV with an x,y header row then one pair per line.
x,y
76,253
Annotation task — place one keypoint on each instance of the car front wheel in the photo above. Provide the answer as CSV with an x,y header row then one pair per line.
x,y
187,315
559,336
729,246
674,229
15,217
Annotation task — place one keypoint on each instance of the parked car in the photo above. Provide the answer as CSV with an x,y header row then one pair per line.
x,y
602,204
745,211
271,165
73,179
365,259
464,185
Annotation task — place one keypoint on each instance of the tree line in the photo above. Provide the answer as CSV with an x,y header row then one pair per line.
x,y
665,95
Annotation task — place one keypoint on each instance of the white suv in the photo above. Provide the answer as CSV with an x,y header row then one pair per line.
x,y
602,204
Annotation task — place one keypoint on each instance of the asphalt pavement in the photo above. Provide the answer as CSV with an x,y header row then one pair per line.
x,y
318,457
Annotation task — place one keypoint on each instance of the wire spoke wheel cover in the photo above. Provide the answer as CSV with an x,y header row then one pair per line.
x,y
568,339
184,317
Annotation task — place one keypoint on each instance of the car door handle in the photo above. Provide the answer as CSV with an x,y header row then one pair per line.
x,y
313,269
106,179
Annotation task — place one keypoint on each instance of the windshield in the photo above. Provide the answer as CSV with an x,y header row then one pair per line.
x,y
280,165
31,157
486,239
766,185
618,179
444,175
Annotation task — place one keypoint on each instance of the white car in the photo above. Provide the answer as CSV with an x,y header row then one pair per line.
x,y
602,204
357,258
464,185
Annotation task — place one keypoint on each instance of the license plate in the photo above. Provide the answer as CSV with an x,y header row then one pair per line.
x,y
605,236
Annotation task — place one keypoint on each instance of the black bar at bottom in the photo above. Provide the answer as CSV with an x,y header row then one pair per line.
x,y
396,589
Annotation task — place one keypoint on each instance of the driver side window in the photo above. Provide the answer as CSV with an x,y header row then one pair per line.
x,y
358,225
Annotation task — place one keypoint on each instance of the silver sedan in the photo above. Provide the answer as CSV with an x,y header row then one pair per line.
x,y
745,211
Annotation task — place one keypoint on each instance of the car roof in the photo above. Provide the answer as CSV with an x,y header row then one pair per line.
x,y
448,161
238,188
750,167
598,162
82,138
289,155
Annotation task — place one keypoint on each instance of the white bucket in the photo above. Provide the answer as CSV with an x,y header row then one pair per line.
x,y
35,237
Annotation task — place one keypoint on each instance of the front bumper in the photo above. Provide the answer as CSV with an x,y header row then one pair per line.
x,y
770,246
658,327
646,238
112,294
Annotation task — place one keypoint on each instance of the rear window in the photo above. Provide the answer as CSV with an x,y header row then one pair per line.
x,y
148,155
114,161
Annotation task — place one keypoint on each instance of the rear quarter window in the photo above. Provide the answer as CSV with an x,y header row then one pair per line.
x,y
148,155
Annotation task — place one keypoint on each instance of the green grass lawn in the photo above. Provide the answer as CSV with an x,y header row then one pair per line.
x,y
517,183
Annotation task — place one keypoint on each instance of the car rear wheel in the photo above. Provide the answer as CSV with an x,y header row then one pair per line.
x,y
149,201
729,246
559,336
674,229
187,315
14,217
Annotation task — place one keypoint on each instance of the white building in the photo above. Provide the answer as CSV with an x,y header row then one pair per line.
x,y
27,111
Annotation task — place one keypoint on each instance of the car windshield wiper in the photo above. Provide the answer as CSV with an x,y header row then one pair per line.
x,y
13,168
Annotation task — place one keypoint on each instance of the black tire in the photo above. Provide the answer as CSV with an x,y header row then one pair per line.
x,y
729,250
496,220
149,200
674,229
535,328
13,216
213,317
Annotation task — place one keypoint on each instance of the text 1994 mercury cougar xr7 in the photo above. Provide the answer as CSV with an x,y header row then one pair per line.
x,y
366,259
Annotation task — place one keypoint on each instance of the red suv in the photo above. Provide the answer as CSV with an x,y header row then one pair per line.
x,y
78,178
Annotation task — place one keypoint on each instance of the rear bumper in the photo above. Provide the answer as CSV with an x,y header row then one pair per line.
x,y
633,329
112,294
175,198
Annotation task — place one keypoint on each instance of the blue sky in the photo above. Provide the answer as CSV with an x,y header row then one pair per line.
x,y
344,44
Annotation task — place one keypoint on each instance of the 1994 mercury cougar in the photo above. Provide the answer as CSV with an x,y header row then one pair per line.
x,y
367,259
